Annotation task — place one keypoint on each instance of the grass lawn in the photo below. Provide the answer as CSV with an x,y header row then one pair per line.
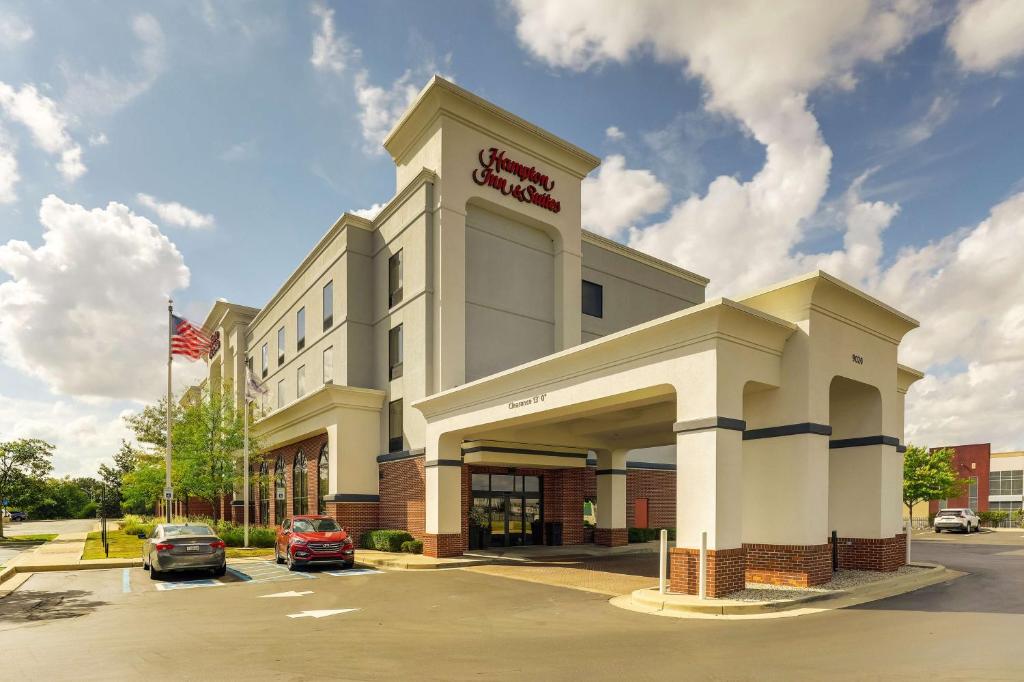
x,y
40,537
251,552
121,546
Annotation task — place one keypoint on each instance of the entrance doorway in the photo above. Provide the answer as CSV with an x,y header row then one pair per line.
x,y
512,505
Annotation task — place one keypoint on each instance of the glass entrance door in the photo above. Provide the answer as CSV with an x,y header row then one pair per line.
x,y
512,506
497,511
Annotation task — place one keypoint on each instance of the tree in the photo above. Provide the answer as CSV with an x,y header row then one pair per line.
x,y
929,475
144,485
207,441
124,463
150,425
26,460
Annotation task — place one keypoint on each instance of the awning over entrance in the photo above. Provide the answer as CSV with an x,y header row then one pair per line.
x,y
500,453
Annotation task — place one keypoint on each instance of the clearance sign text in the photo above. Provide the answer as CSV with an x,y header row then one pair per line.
x,y
536,189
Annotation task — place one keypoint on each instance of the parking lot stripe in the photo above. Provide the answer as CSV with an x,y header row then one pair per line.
x,y
126,580
238,574
188,584
352,571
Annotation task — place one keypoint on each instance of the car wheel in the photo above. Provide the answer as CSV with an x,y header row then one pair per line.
x,y
153,573
220,571
145,563
938,530
289,561
347,564
277,556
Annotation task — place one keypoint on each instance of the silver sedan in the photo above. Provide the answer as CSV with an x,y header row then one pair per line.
x,y
183,547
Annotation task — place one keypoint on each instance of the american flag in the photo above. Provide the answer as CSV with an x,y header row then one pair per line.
x,y
188,339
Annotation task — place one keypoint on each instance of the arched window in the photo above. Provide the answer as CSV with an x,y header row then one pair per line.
x,y
279,491
321,467
264,487
300,484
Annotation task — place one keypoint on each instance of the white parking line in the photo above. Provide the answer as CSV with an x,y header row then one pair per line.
x,y
188,584
352,571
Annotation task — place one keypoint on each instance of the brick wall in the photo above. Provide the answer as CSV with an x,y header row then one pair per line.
x,y
796,565
309,447
402,495
659,487
355,517
611,537
726,570
873,554
446,545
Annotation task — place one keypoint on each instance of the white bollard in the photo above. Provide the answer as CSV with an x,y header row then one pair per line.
x,y
702,590
663,553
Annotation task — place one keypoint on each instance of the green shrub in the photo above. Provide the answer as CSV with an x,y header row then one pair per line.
x,y
88,511
992,518
648,534
385,540
413,546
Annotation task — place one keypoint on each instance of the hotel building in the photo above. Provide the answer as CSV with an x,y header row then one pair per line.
x,y
472,352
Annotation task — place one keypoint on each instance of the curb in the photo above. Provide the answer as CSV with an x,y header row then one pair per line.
x,y
651,602
419,566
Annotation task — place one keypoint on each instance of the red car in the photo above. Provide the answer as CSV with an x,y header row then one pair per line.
x,y
310,539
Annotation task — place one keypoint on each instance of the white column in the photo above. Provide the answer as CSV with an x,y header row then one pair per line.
x,y
443,473
709,471
611,489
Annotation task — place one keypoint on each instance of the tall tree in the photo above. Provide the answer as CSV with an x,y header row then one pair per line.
x,y
207,444
143,486
929,475
124,463
22,461
150,425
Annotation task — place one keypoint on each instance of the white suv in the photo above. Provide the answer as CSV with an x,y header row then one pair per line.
x,y
957,519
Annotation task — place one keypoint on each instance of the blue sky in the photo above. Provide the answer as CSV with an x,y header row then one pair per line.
x,y
236,133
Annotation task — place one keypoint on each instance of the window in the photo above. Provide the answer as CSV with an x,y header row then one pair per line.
x,y
395,279
265,351
328,305
280,346
280,393
395,441
279,490
329,364
395,352
300,382
972,493
322,472
1008,507
300,329
300,485
1006,482
593,299
264,489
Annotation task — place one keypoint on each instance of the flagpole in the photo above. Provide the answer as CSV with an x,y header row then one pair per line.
x,y
167,455
245,460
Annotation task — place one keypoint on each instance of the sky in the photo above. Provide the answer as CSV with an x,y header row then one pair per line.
x,y
198,150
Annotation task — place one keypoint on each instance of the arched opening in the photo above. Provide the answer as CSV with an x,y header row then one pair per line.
x,y
264,492
322,472
280,492
300,484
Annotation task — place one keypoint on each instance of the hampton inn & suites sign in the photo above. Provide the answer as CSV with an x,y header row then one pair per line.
x,y
500,173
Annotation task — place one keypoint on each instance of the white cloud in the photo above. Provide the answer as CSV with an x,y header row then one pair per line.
x,y
176,214
98,140
85,435
102,93
47,124
241,151
14,31
617,197
987,34
86,312
613,133
382,107
922,129
331,52
9,175
369,213
757,71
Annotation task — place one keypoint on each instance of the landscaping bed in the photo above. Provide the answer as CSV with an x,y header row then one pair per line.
x,y
122,546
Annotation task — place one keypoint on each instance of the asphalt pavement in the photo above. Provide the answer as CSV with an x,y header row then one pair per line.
x,y
457,624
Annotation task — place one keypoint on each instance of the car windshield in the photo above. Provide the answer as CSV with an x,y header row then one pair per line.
x,y
188,529
315,526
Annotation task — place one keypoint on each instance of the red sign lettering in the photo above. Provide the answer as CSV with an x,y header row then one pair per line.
x,y
493,163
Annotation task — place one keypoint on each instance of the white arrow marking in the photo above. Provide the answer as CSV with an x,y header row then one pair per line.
x,y
292,593
319,614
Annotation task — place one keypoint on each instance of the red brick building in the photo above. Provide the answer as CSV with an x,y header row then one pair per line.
x,y
972,463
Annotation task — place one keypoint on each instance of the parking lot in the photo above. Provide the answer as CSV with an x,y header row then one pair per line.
x,y
463,624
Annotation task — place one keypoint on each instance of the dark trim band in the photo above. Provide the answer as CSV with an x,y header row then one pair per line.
x,y
706,423
403,454
651,465
611,472
901,449
862,441
351,497
523,451
239,503
442,463
788,430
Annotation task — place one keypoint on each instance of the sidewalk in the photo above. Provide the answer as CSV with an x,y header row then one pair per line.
x,y
63,553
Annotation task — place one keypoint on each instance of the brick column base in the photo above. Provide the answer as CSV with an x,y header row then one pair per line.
x,y
442,545
355,517
726,571
796,565
611,537
873,554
